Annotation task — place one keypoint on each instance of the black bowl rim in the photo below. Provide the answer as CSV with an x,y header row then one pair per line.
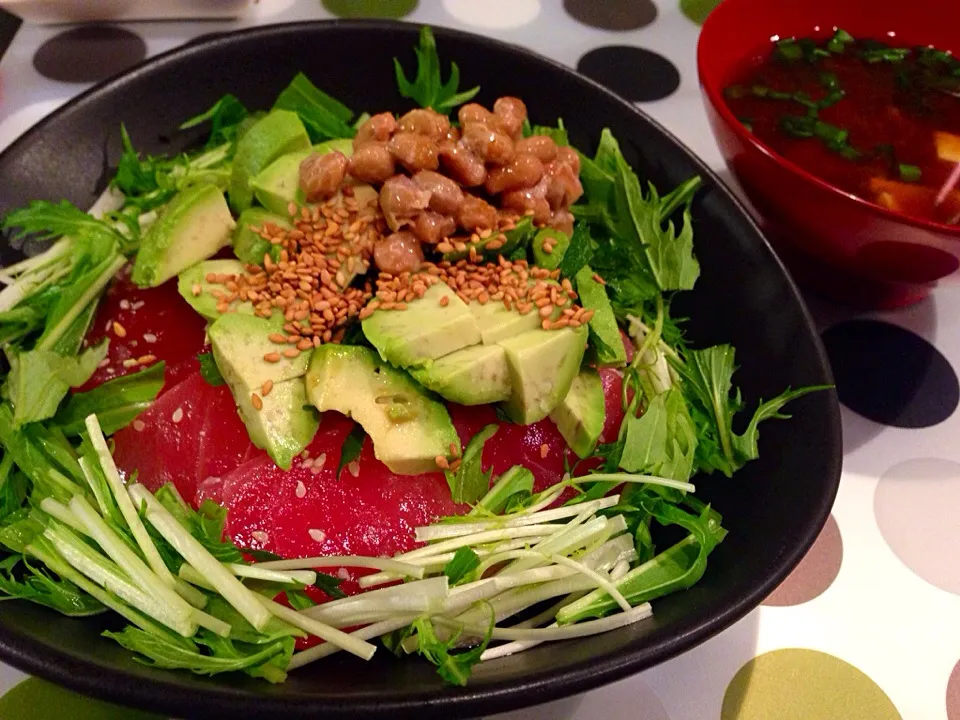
x,y
64,669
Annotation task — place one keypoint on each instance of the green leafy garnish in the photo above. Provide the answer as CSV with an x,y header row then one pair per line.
x,y
40,379
225,118
455,668
37,585
209,655
464,562
330,585
909,173
662,441
352,446
428,88
116,403
324,117
515,484
209,370
707,381
470,482
838,43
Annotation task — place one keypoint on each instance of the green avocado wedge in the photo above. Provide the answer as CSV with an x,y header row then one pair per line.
x,y
193,226
275,134
409,429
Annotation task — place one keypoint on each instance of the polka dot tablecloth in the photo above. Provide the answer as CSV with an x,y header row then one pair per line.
x,y
868,626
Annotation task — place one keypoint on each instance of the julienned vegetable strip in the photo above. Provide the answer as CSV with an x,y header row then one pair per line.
x,y
122,500
233,591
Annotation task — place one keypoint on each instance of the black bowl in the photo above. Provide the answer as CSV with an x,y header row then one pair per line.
x,y
774,508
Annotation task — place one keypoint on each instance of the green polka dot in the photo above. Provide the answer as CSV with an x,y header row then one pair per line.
x,y
370,8
697,10
36,699
798,684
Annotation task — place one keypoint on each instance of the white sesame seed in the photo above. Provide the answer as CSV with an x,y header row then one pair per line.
x,y
301,490
354,468
305,454
317,535
139,425
319,462
104,363
149,338
124,304
260,536
137,305
343,574
177,415
308,463
315,470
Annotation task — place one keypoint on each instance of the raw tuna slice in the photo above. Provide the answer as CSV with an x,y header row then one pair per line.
x,y
191,433
155,321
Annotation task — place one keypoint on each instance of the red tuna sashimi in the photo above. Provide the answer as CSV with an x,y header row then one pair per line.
x,y
190,433
153,321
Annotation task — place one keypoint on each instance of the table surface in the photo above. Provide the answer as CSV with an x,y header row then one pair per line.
x,y
866,627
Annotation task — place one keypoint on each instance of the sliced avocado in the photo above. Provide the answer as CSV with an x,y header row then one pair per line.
x,y
603,325
425,331
496,323
542,365
285,423
409,430
473,376
550,260
581,414
278,184
239,344
514,239
275,134
205,303
247,243
190,228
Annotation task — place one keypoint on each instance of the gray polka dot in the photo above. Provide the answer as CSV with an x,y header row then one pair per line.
x,y
89,53
612,14
915,505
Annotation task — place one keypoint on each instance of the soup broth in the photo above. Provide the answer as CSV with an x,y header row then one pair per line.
x,y
878,121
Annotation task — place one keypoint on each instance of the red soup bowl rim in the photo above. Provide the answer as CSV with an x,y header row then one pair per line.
x,y
717,101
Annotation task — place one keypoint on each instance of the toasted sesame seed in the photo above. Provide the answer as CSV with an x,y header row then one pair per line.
x,y
119,330
301,491
320,462
272,357
139,425
130,362
442,462
256,401
598,279
291,352
196,289
266,388
547,249
260,536
103,363
317,535
455,465
545,449
353,467
453,449
277,338
177,415
546,310
444,301
149,338
146,359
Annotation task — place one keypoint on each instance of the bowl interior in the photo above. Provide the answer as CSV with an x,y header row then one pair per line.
x,y
774,508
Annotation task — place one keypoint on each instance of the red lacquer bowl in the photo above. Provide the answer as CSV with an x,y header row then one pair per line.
x,y
834,243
